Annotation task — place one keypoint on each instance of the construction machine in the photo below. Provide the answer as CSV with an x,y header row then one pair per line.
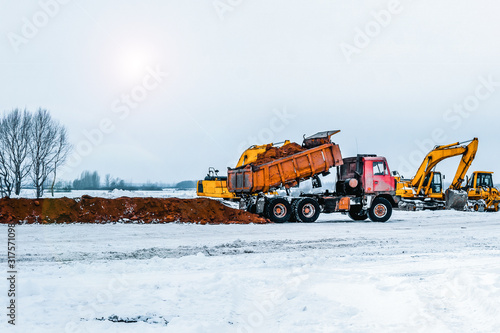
x,y
215,186
483,196
425,189
364,187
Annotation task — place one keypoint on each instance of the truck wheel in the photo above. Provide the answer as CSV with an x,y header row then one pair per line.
x,y
357,214
278,210
306,210
380,211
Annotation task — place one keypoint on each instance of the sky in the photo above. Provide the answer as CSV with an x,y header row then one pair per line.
x,y
160,90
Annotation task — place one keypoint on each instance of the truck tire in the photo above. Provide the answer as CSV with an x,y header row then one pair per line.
x,y
278,210
306,210
357,214
380,211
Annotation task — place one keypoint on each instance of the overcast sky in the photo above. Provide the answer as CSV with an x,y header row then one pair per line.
x,y
160,90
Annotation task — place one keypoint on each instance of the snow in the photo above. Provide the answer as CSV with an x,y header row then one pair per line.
x,y
419,272
165,193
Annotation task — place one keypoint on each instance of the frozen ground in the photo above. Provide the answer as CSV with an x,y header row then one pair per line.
x,y
166,193
419,272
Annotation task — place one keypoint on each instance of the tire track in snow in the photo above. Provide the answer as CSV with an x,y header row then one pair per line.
x,y
237,247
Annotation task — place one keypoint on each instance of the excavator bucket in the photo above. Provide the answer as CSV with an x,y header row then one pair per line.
x,y
456,199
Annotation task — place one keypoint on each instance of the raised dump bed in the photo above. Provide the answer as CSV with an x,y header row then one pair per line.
x,y
320,155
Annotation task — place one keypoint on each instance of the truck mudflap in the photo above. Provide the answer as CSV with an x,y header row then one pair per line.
x,y
344,204
367,203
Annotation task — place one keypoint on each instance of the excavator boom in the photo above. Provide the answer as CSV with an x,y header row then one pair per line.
x,y
464,165
441,153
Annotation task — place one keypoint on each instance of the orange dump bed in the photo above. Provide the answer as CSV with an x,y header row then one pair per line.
x,y
284,172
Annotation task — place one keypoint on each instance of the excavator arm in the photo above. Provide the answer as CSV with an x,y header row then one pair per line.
x,y
440,153
250,155
464,165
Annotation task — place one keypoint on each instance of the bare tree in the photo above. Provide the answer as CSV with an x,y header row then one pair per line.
x,y
48,148
62,151
107,180
15,139
6,180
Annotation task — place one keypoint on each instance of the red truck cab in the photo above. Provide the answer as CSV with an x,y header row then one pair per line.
x,y
377,176
367,178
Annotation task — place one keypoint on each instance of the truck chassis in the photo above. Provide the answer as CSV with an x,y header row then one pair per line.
x,y
307,207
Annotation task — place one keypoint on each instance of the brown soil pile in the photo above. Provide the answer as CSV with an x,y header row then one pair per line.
x,y
99,210
274,153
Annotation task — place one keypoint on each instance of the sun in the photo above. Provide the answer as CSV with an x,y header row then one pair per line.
x,y
132,64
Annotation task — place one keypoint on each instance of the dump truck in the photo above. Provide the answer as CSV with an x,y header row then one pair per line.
x,y
364,186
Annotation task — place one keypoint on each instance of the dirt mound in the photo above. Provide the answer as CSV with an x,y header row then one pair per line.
x,y
99,210
274,153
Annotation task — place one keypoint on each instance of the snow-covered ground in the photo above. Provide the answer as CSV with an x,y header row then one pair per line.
x,y
419,272
166,193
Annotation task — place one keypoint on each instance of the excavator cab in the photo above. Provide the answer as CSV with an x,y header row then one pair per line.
x,y
478,180
484,180
213,174
436,184
481,191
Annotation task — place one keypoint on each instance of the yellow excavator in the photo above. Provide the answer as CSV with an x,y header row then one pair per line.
x,y
482,194
215,186
425,189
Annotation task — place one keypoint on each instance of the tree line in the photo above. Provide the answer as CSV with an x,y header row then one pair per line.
x,y
33,146
92,181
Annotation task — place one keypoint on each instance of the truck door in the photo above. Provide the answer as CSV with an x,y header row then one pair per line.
x,y
382,180
368,176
